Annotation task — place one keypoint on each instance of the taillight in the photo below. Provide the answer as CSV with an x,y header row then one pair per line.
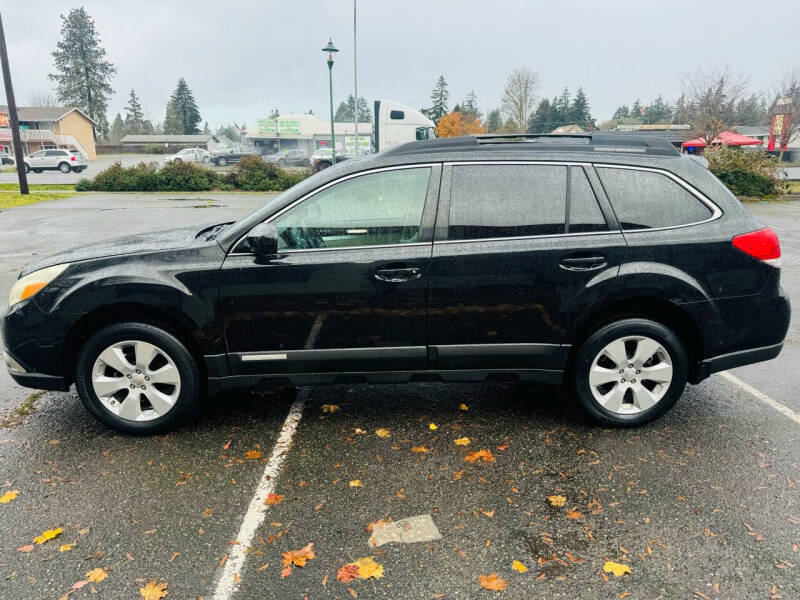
x,y
762,244
72,158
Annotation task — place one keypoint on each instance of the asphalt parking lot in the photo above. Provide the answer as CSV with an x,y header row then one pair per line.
x,y
704,503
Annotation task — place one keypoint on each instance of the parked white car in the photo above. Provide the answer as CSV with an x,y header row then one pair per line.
x,y
189,155
55,159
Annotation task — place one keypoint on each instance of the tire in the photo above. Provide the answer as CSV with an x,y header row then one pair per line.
x,y
177,161
79,169
221,162
27,168
323,165
654,354
64,167
172,402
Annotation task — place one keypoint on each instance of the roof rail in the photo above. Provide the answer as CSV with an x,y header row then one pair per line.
x,y
600,142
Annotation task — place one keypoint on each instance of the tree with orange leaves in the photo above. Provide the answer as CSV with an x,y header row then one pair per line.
x,y
453,124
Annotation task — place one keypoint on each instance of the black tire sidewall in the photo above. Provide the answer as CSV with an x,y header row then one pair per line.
x,y
579,371
185,362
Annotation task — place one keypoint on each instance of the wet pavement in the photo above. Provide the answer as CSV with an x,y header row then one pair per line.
x,y
703,503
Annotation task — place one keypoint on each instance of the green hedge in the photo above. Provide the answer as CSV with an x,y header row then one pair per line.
x,y
747,183
250,174
745,172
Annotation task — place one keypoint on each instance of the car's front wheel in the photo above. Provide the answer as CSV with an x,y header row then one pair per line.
x,y
629,372
137,378
221,162
26,167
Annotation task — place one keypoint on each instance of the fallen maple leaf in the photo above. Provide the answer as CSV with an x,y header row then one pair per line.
x,y
347,573
96,575
463,407
273,499
616,568
503,447
518,566
48,535
574,514
65,547
9,496
492,581
557,500
330,408
153,590
356,483
368,568
252,454
299,557
484,455
419,449
433,427
464,441
382,433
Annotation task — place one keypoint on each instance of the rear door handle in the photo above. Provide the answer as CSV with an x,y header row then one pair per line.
x,y
398,275
583,262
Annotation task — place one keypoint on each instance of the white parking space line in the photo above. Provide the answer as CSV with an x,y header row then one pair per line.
x,y
781,408
228,581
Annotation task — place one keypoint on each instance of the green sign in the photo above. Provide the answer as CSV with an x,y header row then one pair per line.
x,y
278,126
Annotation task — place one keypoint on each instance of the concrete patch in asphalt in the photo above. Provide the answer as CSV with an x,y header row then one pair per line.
x,y
420,528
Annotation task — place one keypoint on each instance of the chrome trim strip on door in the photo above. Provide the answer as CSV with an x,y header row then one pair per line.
x,y
259,357
233,251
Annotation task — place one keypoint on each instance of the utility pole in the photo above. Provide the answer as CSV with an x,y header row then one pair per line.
x,y
355,80
12,114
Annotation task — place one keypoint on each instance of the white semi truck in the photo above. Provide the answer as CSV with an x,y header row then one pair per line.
x,y
396,124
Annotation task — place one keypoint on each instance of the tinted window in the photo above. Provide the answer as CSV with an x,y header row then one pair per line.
x,y
55,153
374,209
397,114
584,212
644,200
491,201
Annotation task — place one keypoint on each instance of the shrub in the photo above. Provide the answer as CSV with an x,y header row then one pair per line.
x,y
154,149
745,172
253,174
175,177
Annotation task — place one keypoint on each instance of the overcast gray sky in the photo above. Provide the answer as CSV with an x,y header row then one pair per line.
x,y
243,58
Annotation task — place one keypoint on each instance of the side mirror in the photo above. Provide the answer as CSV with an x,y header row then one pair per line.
x,y
263,240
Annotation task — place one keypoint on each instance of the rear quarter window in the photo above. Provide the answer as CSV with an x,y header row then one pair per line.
x,y
649,200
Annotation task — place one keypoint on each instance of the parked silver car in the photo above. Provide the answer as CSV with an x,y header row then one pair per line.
x,y
189,155
284,158
55,159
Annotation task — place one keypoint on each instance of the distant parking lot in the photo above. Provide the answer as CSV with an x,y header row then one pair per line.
x,y
704,503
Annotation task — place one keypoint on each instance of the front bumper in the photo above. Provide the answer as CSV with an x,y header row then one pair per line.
x,y
39,381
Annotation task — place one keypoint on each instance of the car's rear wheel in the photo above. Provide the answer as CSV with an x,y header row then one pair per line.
x,y
27,168
629,372
64,167
177,161
137,378
221,162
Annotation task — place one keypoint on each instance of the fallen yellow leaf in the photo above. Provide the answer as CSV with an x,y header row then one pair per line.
x,y
557,500
96,575
298,558
153,590
419,449
273,499
433,427
464,441
252,454
9,496
492,581
616,568
330,408
518,566
463,407
574,514
382,433
367,568
356,483
48,535
485,455
65,547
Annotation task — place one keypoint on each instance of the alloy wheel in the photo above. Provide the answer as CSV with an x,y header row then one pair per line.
x,y
630,375
136,380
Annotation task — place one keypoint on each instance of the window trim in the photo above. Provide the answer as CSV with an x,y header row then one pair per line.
x,y
716,211
425,209
442,224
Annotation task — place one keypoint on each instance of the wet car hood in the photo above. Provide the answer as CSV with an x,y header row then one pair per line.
x,y
168,239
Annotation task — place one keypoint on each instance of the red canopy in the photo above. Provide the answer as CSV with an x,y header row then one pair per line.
x,y
726,138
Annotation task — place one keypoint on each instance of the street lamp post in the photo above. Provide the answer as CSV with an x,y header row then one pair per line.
x,y
331,50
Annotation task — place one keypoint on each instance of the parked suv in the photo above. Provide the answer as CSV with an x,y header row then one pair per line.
x,y
55,159
609,264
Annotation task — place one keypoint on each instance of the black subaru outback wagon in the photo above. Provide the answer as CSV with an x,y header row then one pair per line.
x,y
611,264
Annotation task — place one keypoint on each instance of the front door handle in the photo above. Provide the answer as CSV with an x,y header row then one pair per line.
x,y
583,262
398,275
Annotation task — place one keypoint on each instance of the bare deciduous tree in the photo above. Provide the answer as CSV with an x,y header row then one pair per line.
x,y
519,96
711,98
42,98
787,89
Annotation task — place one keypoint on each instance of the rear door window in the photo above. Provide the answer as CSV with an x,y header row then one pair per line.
x,y
648,200
498,201
585,215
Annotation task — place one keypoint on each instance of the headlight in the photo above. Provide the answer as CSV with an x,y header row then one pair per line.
x,y
32,283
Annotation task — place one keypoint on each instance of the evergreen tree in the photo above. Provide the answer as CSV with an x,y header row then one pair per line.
x,y
469,108
134,117
172,120
751,111
622,112
579,110
274,114
206,129
540,119
229,131
561,114
83,75
494,122
636,109
344,114
117,130
680,114
439,98
658,111
185,116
